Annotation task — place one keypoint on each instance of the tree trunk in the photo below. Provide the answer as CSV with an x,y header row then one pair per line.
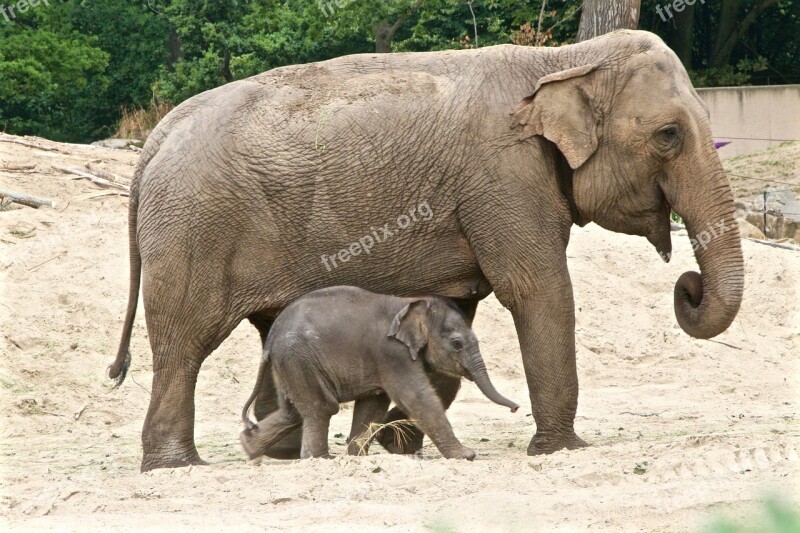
x,y
731,31
726,27
384,33
683,37
225,66
174,51
603,16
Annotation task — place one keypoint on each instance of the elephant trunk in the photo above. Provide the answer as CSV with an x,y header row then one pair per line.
x,y
476,368
707,302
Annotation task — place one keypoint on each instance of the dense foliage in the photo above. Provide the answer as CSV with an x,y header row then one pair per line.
x,y
68,68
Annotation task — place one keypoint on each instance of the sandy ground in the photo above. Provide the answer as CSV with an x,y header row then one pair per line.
x,y
682,430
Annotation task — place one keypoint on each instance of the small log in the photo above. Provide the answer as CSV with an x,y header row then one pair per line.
x,y
110,176
98,194
11,167
25,199
91,177
5,138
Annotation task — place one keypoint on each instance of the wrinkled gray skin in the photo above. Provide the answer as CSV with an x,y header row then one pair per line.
x,y
341,344
241,189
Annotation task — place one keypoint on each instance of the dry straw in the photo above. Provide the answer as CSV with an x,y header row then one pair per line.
x,y
400,428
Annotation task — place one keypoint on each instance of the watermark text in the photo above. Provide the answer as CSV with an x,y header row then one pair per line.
x,y
377,235
677,5
10,12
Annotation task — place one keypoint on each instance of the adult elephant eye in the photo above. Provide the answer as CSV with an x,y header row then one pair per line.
x,y
667,137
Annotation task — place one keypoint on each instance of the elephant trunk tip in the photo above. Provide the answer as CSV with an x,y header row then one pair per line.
x,y
696,315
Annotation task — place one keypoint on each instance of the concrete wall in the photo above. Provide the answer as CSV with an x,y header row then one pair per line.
x,y
771,112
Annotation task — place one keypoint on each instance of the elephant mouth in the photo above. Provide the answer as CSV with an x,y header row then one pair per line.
x,y
660,237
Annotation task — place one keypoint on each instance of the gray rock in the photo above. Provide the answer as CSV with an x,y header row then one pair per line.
x,y
118,144
749,230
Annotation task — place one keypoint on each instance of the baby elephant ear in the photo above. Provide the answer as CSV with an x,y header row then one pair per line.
x,y
409,326
562,110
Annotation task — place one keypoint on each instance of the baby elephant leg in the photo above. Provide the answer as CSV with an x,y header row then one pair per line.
x,y
366,411
316,421
407,439
315,437
272,429
425,408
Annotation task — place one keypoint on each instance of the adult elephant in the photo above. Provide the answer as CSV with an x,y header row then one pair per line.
x,y
242,193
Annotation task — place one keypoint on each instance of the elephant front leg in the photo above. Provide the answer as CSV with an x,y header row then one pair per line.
x,y
545,325
315,436
408,438
366,411
426,410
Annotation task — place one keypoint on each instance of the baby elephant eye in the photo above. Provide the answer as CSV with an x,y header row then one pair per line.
x,y
457,344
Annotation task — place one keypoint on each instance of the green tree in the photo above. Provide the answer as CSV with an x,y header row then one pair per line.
x,y
50,84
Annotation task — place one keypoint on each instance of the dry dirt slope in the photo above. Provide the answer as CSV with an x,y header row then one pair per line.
x,y
681,430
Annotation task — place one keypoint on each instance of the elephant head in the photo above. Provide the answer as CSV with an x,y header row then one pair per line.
x,y
436,330
637,140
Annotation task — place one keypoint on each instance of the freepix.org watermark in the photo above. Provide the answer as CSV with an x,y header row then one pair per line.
x,y
9,12
332,5
677,5
377,235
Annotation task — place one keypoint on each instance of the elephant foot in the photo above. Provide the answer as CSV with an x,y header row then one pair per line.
x,y
152,461
401,439
462,453
286,448
405,440
545,444
246,439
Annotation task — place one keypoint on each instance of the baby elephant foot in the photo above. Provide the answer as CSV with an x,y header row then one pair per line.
x,y
247,439
322,455
544,444
462,453
403,440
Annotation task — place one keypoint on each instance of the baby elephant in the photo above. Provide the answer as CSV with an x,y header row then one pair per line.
x,y
343,343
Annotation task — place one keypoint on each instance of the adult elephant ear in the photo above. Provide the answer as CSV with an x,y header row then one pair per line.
x,y
562,109
410,326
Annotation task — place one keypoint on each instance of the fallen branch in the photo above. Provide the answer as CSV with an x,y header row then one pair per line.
x,y
97,180
110,176
772,244
47,261
10,167
98,194
24,199
5,138
78,414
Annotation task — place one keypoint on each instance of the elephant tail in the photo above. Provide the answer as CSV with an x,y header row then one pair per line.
x,y
119,367
249,424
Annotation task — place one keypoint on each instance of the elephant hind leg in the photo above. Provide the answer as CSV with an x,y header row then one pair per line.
x,y
266,403
365,412
168,431
183,332
257,441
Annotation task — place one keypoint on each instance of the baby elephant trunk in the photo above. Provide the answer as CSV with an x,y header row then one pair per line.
x,y
474,364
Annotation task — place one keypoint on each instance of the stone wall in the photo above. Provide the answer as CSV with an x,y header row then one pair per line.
x,y
744,114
